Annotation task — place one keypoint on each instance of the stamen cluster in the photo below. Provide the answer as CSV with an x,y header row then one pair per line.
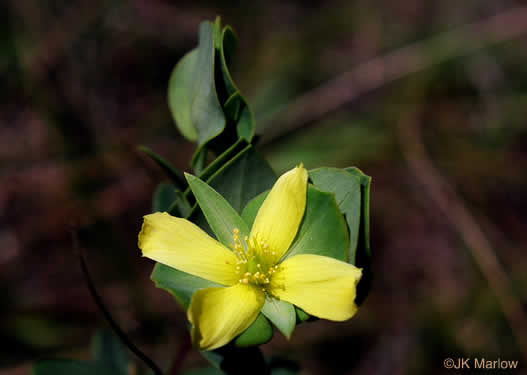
x,y
255,261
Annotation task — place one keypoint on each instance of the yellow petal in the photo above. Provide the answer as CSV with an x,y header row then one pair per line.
x,y
218,315
280,215
182,245
322,286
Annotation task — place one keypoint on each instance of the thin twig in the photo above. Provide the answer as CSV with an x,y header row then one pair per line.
x,y
106,313
450,204
402,62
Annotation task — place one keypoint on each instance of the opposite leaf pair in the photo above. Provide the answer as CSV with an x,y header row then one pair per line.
x,y
260,266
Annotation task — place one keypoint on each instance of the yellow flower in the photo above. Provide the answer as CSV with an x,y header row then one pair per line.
x,y
253,270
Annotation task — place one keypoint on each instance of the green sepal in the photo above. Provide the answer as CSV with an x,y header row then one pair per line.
x,y
301,315
258,333
281,314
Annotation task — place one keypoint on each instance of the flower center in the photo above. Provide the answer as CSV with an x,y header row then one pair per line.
x,y
255,261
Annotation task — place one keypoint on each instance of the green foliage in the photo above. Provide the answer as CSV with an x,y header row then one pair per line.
x,y
205,102
351,188
347,190
179,100
363,250
180,284
323,230
209,109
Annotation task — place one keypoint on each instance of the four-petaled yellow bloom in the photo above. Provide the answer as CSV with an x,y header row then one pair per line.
x,y
253,269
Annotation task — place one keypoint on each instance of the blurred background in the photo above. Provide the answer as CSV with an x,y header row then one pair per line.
x,y
427,97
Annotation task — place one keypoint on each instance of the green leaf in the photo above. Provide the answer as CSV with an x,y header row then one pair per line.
x,y
364,233
212,168
251,209
180,284
236,108
347,190
204,100
281,313
237,112
323,230
229,43
245,123
175,174
242,178
258,333
206,111
179,94
352,191
363,252
69,367
109,352
220,215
